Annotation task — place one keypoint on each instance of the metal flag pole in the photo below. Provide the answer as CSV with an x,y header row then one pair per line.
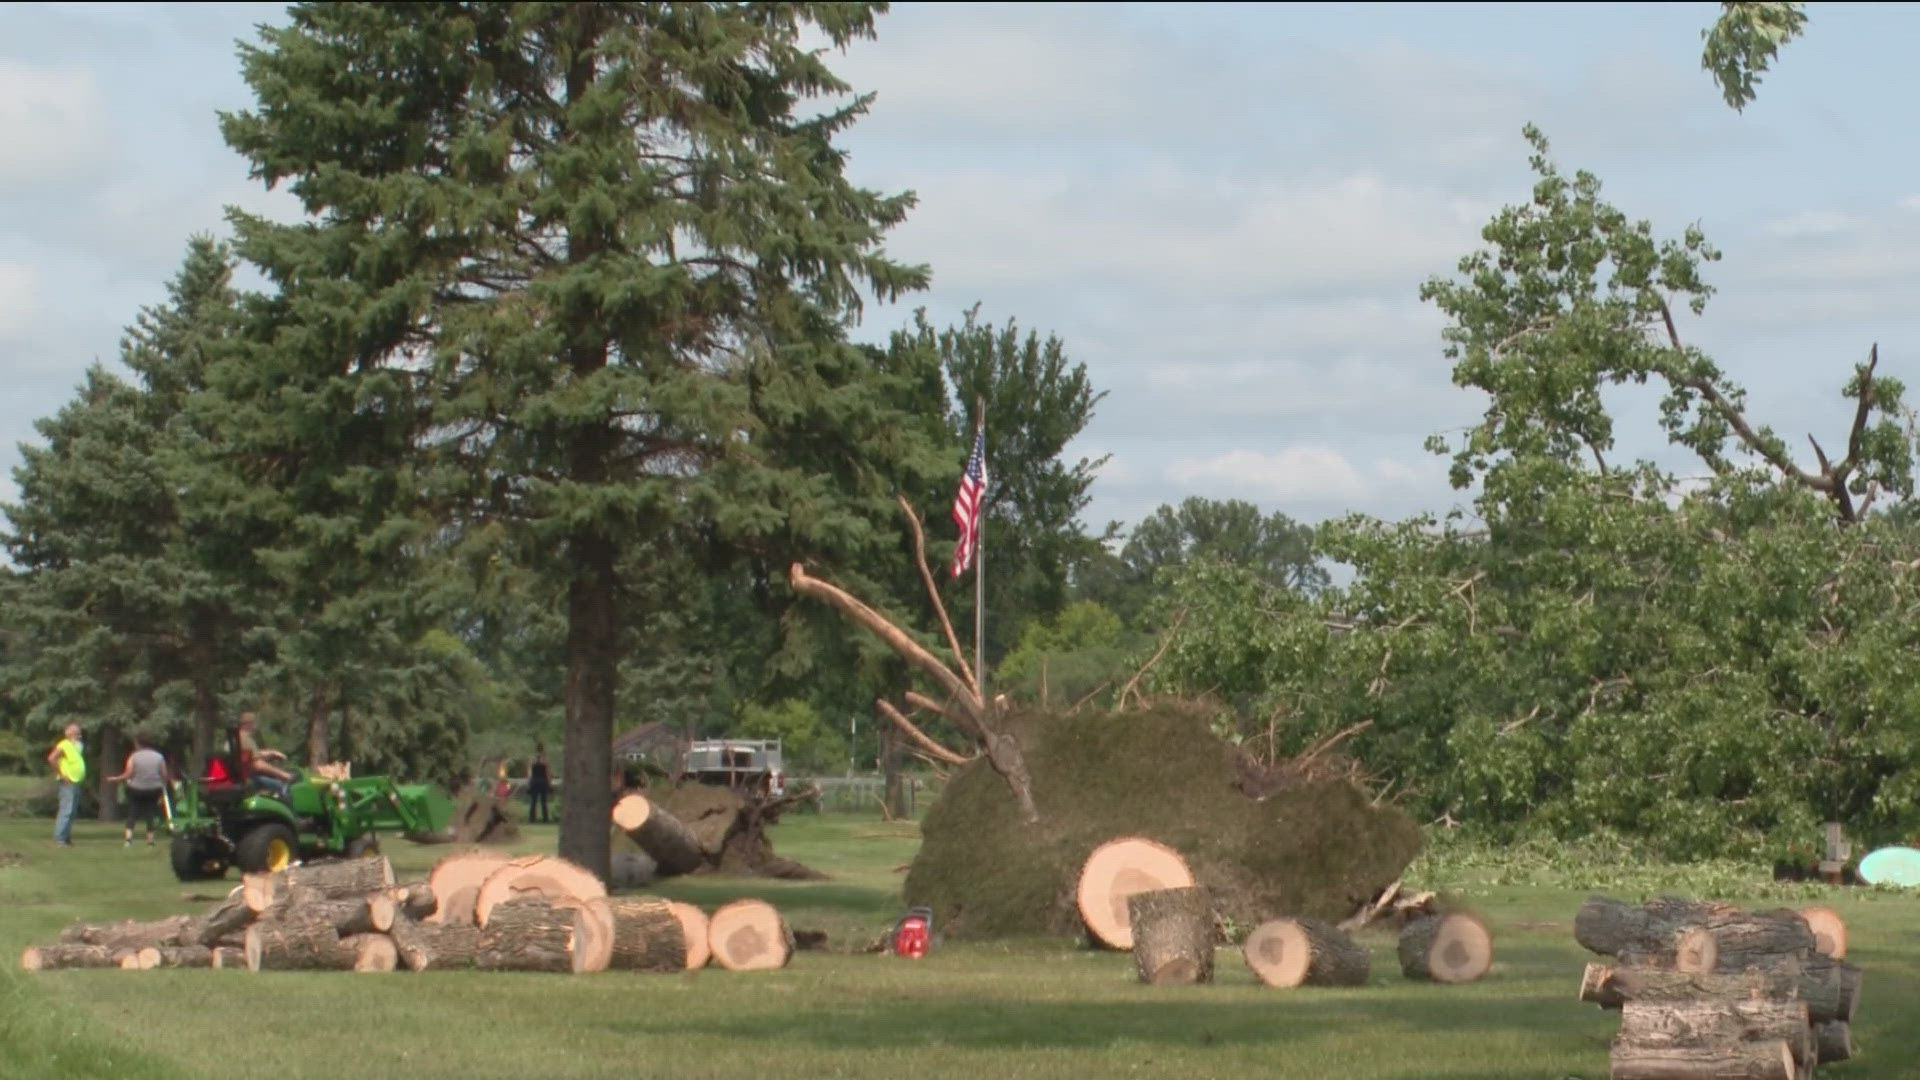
x,y
980,560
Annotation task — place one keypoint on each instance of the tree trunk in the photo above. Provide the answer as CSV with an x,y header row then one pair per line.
x,y
113,753
592,639
1829,931
749,935
297,942
647,936
669,843
53,957
456,880
204,652
1172,936
895,801
427,945
1732,1061
1305,952
319,712
1454,948
347,879
1707,1023
530,935
694,927
1114,872
1833,1041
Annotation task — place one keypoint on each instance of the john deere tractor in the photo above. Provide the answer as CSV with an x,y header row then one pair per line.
x,y
218,823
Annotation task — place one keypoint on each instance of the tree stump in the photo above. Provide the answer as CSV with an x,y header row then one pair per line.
x,y
1833,1041
1707,1023
693,927
297,942
531,935
670,844
1829,931
749,935
1454,948
421,946
1114,872
647,936
1305,952
455,882
342,880
1172,936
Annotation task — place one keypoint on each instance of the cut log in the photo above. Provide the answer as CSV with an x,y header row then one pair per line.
x,y
297,942
421,946
372,952
455,882
369,914
647,936
1172,936
415,901
222,923
545,877
1684,1024
1677,932
1849,982
1829,931
130,934
136,960
479,818
1305,952
342,879
531,935
1730,1061
749,935
175,956
672,847
1610,987
1833,1041
628,867
259,890
1115,871
227,958
1453,948
54,957
693,925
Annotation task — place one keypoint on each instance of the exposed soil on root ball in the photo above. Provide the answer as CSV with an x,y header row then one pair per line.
x,y
1315,847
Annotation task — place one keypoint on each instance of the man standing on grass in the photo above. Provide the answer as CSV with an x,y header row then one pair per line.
x,y
70,765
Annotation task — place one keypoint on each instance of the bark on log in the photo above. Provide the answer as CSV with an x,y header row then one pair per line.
x,y
1453,948
530,935
53,957
1305,952
130,934
1610,987
1833,1041
1733,1061
372,952
647,936
229,958
1114,872
694,926
1690,935
343,879
415,901
1699,1024
455,881
662,836
749,935
479,818
1829,931
1849,982
536,876
297,942
1172,936
175,956
224,922
370,914
421,946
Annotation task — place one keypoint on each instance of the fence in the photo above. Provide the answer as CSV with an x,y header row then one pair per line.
x,y
857,794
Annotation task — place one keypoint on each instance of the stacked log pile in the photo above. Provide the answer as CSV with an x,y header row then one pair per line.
x,y
476,910
1709,990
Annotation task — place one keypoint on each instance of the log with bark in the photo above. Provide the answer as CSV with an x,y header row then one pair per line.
x,y
536,876
298,941
1848,977
55,957
1829,931
455,883
441,947
1699,1024
1610,986
479,818
1451,948
1114,872
374,953
229,959
1728,1061
224,923
1305,952
669,843
369,914
130,934
693,927
749,935
730,827
415,901
1172,935
258,890
175,956
340,879
532,935
1833,1041
647,936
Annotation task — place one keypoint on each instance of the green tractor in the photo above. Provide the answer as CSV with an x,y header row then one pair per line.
x,y
218,822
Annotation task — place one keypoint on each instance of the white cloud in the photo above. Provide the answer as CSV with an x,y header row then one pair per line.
x,y
1306,473
52,122
16,299
1812,223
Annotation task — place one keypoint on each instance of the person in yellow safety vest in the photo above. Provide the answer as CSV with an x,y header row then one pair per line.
x,y
68,758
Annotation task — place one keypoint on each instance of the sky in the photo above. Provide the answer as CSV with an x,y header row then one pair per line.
x,y
1225,211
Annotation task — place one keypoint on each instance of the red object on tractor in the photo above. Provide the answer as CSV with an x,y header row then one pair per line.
x,y
913,934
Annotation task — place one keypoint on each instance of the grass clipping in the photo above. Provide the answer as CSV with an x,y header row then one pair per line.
x,y
1316,846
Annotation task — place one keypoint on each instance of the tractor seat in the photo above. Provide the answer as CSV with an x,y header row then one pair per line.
x,y
221,792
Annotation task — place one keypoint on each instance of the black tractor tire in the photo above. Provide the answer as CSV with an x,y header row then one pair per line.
x,y
362,847
266,847
193,860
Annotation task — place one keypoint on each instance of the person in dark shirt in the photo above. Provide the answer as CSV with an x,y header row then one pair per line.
x,y
539,787
146,775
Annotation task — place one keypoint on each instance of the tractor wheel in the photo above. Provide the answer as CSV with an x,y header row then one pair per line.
x,y
361,847
265,847
193,860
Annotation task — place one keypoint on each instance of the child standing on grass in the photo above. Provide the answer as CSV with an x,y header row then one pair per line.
x,y
146,778
69,762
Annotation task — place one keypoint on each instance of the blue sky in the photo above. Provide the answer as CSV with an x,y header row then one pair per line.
x,y
1225,211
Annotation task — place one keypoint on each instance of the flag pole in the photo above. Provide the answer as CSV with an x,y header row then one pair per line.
x,y
980,560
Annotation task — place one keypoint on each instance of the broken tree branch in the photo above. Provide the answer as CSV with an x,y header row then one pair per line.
x,y
927,744
1132,687
933,594
896,638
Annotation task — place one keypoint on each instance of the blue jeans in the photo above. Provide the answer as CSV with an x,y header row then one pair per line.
x,y
63,821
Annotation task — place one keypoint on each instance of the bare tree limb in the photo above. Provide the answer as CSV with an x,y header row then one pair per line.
x,y
895,638
933,594
1132,687
927,744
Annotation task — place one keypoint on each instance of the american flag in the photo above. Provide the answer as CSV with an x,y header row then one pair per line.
x,y
966,505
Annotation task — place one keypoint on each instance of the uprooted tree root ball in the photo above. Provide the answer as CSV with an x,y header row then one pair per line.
x,y
1316,846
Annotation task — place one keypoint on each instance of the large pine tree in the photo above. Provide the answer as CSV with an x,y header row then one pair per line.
x,y
618,245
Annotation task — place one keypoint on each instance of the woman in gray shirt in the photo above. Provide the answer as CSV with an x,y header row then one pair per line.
x,y
146,780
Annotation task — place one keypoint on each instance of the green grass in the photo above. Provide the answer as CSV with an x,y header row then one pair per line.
x,y
1019,1009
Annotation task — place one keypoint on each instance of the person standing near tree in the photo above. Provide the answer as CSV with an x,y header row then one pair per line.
x,y
539,786
146,778
68,758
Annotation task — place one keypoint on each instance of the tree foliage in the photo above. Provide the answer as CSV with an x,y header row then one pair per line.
x,y
1742,42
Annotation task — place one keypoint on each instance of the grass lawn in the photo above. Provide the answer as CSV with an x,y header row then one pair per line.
x,y
1020,1009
